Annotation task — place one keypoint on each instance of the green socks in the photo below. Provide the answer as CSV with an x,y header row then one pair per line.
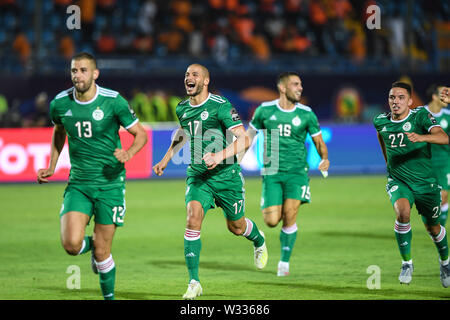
x,y
403,234
106,270
87,245
192,248
252,233
107,275
288,235
441,244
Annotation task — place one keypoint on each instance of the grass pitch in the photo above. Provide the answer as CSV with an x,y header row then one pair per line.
x,y
347,228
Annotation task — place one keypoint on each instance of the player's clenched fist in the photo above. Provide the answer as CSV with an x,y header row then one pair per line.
x,y
43,174
414,137
212,160
122,155
159,168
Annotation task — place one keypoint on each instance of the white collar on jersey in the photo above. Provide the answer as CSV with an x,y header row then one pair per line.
x,y
199,105
398,121
86,102
284,110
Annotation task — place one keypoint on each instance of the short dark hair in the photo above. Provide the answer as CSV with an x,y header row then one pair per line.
x,y
85,55
404,85
433,89
285,75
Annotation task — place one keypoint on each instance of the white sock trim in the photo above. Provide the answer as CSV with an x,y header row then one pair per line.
x,y
282,264
248,228
105,266
291,229
191,235
440,236
402,228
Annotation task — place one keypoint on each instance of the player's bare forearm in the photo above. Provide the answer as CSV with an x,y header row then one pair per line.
x,y
251,133
239,146
322,150
436,136
58,140
177,143
139,141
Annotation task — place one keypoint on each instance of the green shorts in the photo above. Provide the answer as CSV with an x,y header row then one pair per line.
x,y
107,204
442,174
428,204
279,187
226,191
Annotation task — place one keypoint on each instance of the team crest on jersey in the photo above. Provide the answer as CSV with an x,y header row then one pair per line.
x,y
132,111
296,121
204,115
234,115
444,124
407,126
98,114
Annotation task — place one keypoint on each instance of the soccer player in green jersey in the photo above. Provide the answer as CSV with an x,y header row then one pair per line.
x,y
90,116
214,175
285,123
405,136
440,154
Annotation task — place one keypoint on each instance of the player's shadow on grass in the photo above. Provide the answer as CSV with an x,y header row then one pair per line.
x,y
86,294
371,294
353,234
208,265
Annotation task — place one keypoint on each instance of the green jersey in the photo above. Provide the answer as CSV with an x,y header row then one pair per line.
x,y
207,125
408,162
441,153
92,129
285,135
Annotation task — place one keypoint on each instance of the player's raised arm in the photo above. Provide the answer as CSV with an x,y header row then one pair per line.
x,y
58,139
436,136
239,146
178,141
140,139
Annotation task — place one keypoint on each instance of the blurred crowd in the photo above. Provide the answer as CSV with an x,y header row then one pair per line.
x,y
151,106
218,29
222,28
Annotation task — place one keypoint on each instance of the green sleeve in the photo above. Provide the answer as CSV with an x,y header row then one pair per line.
x,y
426,120
229,116
54,117
257,120
313,125
178,111
125,114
